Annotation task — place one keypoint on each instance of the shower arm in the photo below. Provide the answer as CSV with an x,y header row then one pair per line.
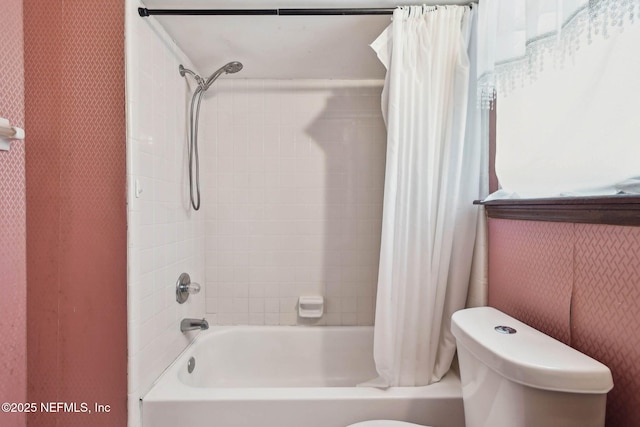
x,y
198,79
205,84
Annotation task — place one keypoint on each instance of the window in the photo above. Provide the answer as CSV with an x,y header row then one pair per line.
x,y
575,131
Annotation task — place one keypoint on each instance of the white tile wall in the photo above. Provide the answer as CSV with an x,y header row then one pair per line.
x,y
165,238
294,175
292,201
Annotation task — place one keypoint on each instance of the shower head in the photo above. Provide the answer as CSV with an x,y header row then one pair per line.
x,y
230,68
233,67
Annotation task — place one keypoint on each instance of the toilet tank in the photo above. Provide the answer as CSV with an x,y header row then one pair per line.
x,y
515,376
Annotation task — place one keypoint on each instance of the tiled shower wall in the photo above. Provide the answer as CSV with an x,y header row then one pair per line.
x,y
13,281
292,179
165,237
293,175
579,283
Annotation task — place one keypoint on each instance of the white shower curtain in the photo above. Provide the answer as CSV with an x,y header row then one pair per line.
x,y
432,177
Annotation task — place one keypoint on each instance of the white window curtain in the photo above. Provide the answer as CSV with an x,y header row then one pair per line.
x,y
563,71
432,177
519,38
575,131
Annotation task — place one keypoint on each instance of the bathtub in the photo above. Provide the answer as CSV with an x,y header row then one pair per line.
x,y
289,377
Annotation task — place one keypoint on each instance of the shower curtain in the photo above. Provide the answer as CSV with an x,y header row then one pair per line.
x,y
432,177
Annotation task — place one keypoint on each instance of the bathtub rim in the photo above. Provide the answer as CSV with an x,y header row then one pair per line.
x,y
168,388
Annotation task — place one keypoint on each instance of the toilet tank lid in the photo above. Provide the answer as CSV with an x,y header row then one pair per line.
x,y
527,356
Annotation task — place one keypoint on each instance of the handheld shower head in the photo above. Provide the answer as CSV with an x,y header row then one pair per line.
x,y
233,67
229,68
194,159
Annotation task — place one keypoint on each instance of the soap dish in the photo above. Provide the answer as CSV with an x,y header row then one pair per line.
x,y
310,307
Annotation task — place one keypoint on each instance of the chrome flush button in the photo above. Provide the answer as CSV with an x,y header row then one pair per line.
x,y
505,329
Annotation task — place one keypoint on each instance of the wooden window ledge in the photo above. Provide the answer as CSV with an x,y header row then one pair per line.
x,y
612,210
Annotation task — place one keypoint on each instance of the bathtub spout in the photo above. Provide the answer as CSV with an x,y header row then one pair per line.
x,y
192,324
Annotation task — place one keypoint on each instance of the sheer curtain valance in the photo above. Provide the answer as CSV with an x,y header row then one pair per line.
x,y
519,38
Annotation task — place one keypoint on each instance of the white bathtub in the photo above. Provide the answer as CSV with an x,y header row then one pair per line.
x,y
289,377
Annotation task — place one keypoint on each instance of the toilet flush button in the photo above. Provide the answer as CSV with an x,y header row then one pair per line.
x,y
505,329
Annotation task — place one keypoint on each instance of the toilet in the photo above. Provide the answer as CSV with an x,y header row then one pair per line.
x,y
515,376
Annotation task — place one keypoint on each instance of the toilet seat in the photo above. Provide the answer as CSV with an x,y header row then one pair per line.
x,y
385,423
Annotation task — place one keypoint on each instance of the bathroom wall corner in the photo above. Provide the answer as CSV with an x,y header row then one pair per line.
x,y
165,236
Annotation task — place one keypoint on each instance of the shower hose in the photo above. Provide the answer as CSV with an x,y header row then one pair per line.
x,y
192,146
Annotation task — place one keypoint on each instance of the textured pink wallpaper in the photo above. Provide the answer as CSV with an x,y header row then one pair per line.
x,y
542,267
605,315
76,217
13,286
581,284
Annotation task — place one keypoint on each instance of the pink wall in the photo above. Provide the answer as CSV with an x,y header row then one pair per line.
x,y
76,218
580,283
13,286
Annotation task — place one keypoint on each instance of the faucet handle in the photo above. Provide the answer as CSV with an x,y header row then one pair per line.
x,y
184,287
191,288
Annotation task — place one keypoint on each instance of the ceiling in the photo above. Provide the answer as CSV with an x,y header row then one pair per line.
x,y
280,47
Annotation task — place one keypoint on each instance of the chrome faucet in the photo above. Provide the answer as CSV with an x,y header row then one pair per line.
x,y
192,324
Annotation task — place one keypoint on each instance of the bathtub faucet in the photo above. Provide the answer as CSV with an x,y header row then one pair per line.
x,y
191,324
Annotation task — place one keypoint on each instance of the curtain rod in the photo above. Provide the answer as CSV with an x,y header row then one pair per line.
x,y
144,12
